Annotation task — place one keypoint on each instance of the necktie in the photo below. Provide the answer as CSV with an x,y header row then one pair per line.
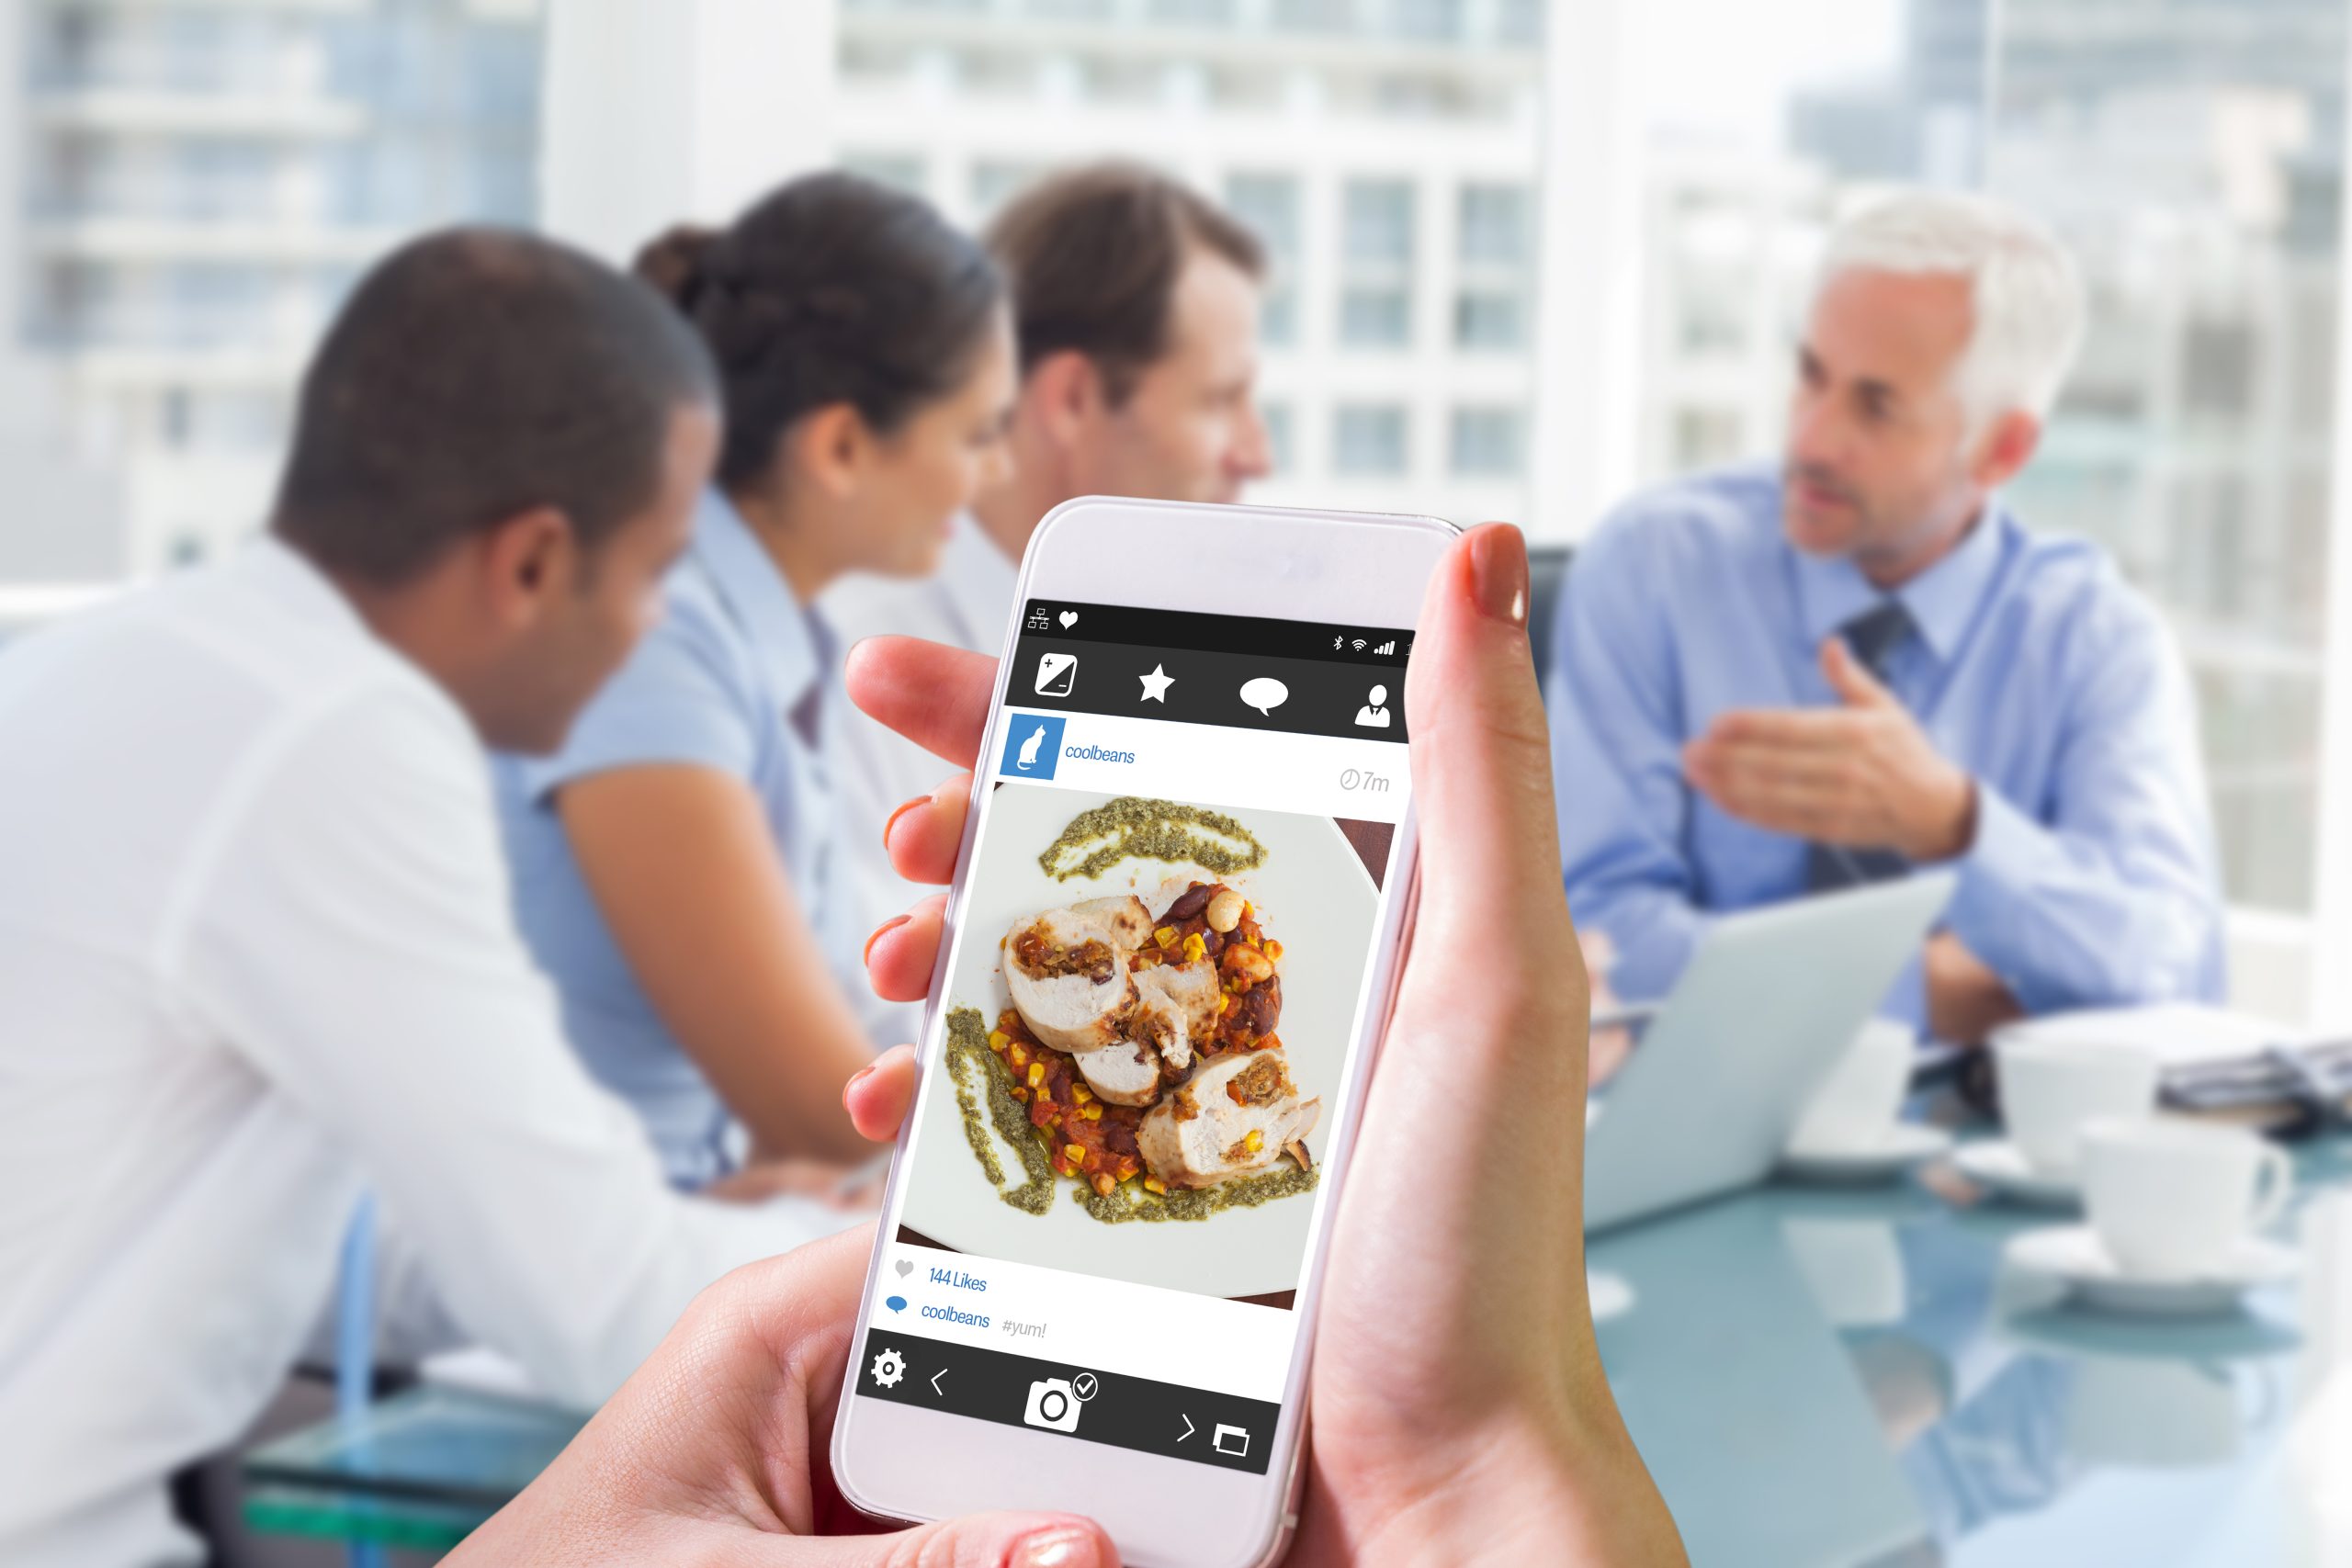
x,y
1874,636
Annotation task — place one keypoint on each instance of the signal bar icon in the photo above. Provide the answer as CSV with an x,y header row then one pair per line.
x,y
1388,648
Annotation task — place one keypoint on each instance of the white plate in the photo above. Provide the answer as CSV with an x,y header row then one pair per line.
x,y
2071,1254
1314,898
1900,1147
1999,1165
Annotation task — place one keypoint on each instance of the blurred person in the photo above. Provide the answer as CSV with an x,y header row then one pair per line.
x,y
1135,306
258,949
1775,681
675,862
1460,1413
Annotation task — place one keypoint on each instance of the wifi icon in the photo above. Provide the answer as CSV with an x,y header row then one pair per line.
x,y
1358,645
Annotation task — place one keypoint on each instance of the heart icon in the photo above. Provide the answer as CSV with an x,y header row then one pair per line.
x,y
1069,619
905,1267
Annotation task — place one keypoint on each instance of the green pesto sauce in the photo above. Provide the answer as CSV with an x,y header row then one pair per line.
x,y
1132,827
968,1057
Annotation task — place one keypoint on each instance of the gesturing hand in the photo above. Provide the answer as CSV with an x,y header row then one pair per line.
x,y
1459,1410
1862,775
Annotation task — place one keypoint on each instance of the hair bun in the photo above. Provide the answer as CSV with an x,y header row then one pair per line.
x,y
676,263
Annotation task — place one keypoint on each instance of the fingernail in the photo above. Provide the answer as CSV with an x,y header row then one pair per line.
x,y
889,925
1064,1546
855,1079
910,805
1498,573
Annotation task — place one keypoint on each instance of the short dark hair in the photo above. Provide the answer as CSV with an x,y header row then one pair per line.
x,y
1094,255
833,290
474,375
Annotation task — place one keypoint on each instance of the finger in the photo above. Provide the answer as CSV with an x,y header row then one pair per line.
x,y
1740,762
934,695
1849,678
877,1098
1797,728
925,835
973,1540
899,957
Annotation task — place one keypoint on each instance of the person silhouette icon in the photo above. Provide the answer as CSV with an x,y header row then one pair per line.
x,y
1374,714
1029,748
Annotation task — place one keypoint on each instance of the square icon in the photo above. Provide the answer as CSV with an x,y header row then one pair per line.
x,y
1055,672
1033,744
1234,1441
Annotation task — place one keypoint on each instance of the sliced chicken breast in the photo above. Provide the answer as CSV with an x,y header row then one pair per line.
x,y
1125,1072
1202,1133
1067,970
1175,1008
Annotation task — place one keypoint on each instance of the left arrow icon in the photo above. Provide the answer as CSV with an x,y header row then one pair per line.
x,y
934,1382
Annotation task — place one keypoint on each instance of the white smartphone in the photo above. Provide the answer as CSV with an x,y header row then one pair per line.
x,y
1171,944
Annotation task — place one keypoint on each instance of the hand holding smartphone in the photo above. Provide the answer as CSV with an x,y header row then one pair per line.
x,y
1152,1371
1460,1414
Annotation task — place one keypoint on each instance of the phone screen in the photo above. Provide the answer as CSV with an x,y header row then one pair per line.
x,y
1158,989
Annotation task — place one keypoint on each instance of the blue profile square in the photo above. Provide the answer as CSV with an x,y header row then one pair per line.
x,y
1033,744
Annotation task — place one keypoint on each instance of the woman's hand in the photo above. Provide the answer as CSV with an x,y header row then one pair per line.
x,y
715,1452
1458,1406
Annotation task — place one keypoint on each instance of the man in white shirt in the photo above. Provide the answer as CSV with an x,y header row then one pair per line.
x,y
256,947
1135,306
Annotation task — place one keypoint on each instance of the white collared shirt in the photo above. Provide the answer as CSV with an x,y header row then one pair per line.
x,y
966,604
255,949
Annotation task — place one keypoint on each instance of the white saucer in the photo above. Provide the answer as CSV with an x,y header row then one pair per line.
x,y
2072,1254
1901,1145
1999,1165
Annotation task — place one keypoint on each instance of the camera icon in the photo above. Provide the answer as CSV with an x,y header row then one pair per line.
x,y
1053,1404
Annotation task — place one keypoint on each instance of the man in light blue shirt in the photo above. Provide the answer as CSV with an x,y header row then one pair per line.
x,y
1769,684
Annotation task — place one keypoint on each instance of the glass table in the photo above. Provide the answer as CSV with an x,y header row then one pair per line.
x,y
1818,1378
1830,1377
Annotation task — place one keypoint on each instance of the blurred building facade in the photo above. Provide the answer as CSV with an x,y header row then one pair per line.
x,y
1386,150
196,186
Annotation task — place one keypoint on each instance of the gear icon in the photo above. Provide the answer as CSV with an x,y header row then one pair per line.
x,y
889,1367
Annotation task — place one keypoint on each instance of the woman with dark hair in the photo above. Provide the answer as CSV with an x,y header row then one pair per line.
x,y
676,863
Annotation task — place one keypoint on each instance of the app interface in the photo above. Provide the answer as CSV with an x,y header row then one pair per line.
x,y
1158,989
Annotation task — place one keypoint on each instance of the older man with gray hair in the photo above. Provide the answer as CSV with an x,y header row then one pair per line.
x,y
1772,681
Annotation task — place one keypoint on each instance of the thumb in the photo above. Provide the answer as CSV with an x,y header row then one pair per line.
x,y
970,1541
1481,775
1847,675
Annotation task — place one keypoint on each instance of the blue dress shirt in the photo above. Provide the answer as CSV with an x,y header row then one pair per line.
x,y
2091,880
734,678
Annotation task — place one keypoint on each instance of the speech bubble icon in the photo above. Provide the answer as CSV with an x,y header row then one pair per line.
x,y
896,1303
1265,693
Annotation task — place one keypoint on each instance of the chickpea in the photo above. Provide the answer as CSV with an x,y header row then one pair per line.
x,y
1224,910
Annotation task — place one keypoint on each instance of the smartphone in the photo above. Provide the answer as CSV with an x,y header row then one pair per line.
x,y
1171,948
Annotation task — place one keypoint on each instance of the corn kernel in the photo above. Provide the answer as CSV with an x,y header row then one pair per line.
x,y
1194,948
1255,1142
1273,949
1165,936
1103,1185
1021,1094
1223,1003
1082,1093
1092,1113
1019,1057
1074,1154
1153,1184
1037,1074
999,1040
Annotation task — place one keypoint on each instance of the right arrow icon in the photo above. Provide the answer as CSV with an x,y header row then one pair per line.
x,y
1188,1426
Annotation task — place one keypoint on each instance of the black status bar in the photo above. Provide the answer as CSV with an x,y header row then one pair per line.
x,y
1384,646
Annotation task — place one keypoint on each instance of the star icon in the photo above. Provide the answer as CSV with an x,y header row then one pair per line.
x,y
1156,684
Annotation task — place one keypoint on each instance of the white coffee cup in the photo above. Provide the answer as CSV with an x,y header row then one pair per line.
x,y
2171,1198
1856,1106
2051,1088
